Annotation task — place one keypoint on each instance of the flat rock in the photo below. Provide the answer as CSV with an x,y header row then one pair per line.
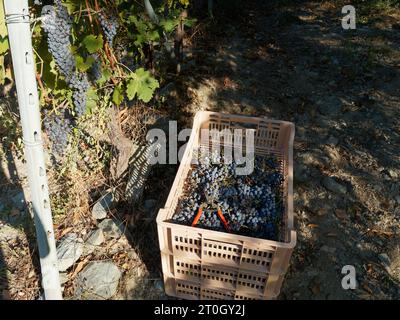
x,y
96,237
331,184
102,206
110,229
384,258
69,251
97,281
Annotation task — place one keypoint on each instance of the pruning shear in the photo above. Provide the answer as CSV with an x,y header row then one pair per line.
x,y
220,216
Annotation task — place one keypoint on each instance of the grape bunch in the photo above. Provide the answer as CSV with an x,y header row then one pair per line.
x,y
252,205
95,70
58,127
109,27
57,24
80,84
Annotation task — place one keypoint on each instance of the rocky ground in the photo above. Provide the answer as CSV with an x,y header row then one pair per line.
x,y
284,60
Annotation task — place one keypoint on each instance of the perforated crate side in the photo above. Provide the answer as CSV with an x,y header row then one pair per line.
x,y
221,277
192,291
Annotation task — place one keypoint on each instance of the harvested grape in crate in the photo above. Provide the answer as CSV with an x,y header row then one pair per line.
x,y
225,235
250,205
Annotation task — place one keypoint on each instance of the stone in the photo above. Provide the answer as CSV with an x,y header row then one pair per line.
x,y
19,200
102,206
97,281
392,173
110,229
384,258
333,140
95,238
69,251
331,184
397,198
150,204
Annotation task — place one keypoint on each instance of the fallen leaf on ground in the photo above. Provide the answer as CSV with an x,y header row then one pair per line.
x,y
66,230
79,267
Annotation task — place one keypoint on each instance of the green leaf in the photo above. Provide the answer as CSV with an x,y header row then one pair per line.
x,y
169,25
93,43
71,5
3,28
118,95
142,84
3,45
105,76
92,99
83,65
189,22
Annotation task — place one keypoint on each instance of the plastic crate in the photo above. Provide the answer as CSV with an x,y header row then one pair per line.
x,y
206,264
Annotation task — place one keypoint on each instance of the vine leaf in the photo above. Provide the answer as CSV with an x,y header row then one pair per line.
x,y
142,84
83,65
92,99
105,76
3,28
93,43
3,45
118,95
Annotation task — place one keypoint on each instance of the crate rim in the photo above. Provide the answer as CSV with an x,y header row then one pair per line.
x,y
289,245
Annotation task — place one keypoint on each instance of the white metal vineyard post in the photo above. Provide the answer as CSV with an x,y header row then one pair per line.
x,y
17,20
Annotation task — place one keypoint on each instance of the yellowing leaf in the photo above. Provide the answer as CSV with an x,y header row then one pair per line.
x,y
83,65
3,28
3,45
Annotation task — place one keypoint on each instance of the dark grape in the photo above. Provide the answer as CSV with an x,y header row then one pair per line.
x,y
109,27
57,24
58,127
249,203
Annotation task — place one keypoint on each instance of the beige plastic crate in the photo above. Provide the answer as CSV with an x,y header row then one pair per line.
x,y
206,264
